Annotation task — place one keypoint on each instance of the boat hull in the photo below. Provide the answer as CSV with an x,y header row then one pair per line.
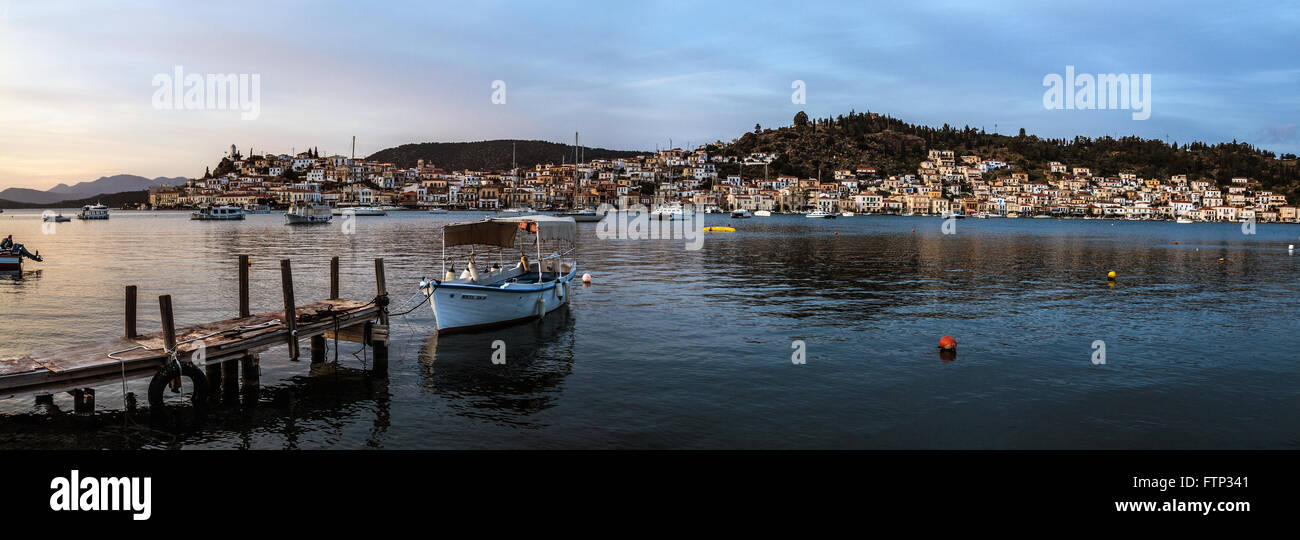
x,y
466,308
9,263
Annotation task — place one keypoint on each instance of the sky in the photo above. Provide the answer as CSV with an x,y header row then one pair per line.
x,y
78,98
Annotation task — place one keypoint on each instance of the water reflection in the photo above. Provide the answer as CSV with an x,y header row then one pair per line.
x,y
539,355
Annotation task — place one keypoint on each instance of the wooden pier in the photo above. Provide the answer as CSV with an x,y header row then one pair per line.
x,y
220,348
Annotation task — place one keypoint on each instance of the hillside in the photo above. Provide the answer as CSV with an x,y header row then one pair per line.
x,y
896,147
103,185
115,200
489,155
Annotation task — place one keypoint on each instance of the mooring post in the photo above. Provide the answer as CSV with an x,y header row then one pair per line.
x,y
317,349
169,331
243,286
334,278
249,367
213,371
230,379
130,312
290,312
381,290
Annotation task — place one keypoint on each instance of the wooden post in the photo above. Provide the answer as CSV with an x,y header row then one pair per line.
x,y
334,278
168,331
317,349
243,286
290,312
381,289
230,379
213,371
168,323
130,312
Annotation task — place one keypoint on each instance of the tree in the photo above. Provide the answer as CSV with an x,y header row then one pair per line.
x,y
800,119
758,128
1022,132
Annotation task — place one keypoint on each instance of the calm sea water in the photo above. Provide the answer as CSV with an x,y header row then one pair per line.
x,y
670,348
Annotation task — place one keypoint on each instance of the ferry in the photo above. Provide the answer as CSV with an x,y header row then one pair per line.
x,y
483,298
12,255
303,213
217,213
97,211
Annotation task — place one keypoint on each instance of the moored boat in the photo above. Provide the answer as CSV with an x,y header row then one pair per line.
x,y
257,209
359,211
741,213
762,213
477,299
12,255
1183,220
305,213
819,214
586,215
847,214
672,210
52,217
217,213
95,211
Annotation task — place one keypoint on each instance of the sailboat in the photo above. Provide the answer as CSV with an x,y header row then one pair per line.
x,y
584,215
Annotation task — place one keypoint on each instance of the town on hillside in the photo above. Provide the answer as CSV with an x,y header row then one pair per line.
x,y
944,184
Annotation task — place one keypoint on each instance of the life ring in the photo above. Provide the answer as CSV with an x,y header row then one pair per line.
x,y
171,371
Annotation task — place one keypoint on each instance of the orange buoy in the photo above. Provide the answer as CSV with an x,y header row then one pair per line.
x,y
948,343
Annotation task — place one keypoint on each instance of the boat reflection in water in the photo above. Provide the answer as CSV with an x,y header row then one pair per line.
x,y
538,356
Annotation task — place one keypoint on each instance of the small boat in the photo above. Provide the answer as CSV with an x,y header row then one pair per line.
x,y
55,218
437,210
304,213
12,255
257,209
719,229
762,213
671,210
982,215
500,296
1042,216
1013,214
847,214
586,215
218,213
516,211
359,211
96,211
818,214
1183,220
741,213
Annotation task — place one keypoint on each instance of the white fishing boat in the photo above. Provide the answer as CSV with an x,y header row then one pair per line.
x,y
304,213
1013,214
741,213
95,211
257,209
482,298
672,210
819,214
1183,220
437,210
982,215
762,213
360,211
217,213
847,214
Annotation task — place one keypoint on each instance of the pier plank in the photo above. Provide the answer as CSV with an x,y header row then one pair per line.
x,y
91,360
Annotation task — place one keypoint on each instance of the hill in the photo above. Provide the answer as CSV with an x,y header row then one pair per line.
x,y
489,155
895,147
115,200
103,185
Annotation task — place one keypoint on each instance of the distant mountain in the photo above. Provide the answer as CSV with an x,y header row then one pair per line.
x,y
115,200
490,155
107,184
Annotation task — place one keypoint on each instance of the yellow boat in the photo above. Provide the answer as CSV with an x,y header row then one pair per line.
x,y
720,229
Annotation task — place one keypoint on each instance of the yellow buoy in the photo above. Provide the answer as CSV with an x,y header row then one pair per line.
x,y
1111,275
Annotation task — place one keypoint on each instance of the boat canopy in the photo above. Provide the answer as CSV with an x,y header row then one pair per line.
x,y
500,232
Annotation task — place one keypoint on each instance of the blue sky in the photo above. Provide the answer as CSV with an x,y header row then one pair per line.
x,y
76,78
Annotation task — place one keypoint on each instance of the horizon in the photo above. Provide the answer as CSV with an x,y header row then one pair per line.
x,y
692,74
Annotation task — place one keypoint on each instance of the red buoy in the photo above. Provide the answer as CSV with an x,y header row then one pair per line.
x,y
948,343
